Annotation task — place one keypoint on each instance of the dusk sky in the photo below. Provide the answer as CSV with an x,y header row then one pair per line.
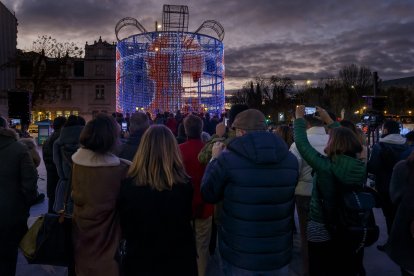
x,y
301,39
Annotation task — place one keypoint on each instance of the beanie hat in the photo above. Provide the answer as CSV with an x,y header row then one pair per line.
x,y
250,119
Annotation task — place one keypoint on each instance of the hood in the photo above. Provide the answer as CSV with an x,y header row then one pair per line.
x,y
7,137
260,147
393,139
70,135
85,157
29,142
349,170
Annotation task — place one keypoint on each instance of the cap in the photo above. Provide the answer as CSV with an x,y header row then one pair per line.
x,y
250,119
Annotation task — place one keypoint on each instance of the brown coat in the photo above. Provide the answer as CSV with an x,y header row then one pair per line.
x,y
96,182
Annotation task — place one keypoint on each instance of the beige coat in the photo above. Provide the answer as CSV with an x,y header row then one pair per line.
x,y
96,182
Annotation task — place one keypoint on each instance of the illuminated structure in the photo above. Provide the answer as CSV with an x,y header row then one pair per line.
x,y
170,69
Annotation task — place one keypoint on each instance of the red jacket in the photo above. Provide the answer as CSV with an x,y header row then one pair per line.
x,y
189,151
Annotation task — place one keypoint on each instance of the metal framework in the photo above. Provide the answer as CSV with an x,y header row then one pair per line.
x,y
170,70
175,18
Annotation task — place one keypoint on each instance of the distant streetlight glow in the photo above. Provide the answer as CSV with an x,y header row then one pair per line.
x,y
308,82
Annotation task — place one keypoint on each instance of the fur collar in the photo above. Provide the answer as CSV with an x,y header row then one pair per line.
x,y
9,132
89,158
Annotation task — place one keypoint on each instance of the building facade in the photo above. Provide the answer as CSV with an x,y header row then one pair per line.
x,y
8,42
72,86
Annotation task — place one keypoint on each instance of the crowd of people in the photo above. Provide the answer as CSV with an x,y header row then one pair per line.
x,y
178,189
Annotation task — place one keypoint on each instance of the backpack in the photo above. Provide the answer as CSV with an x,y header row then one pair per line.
x,y
353,221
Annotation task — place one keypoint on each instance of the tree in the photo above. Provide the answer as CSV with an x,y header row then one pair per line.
x,y
55,49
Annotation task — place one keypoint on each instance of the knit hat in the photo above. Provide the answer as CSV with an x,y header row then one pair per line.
x,y
250,119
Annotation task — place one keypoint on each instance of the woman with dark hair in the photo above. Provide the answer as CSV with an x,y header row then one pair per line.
x,y
339,170
400,245
96,180
361,136
156,209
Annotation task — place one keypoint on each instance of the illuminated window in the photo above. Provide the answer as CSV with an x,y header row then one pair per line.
x,y
67,113
75,112
59,113
99,92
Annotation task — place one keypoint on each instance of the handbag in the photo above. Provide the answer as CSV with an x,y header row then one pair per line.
x,y
49,241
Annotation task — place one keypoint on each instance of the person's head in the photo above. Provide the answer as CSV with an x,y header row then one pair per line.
x,y
138,122
234,111
390,127
343,141
351,126
248,121
3,122
285,132
101,134
410,137
59,122
158,162
312,121
74,120
181,131
193,126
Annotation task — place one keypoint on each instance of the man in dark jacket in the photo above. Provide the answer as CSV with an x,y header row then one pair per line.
x,y
138,124
384,156
18,178
47,150
255,177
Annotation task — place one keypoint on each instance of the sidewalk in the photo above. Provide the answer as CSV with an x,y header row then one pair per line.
x,y
376,263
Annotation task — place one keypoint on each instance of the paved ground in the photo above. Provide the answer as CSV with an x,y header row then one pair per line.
x,y
376,262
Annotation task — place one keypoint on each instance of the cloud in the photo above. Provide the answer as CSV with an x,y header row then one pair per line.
x,y
299,38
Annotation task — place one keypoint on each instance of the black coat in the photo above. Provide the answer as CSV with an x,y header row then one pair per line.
x,y
157,229
400,245
130,146
18,184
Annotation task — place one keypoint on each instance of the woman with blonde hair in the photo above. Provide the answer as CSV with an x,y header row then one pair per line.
x,y
156,209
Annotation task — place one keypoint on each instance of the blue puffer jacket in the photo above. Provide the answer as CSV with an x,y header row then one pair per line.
x,y
255,178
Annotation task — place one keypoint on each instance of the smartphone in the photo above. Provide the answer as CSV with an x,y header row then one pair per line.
x,y
310,110
226,121
124,126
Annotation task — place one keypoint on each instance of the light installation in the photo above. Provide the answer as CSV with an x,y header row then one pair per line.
x,y
170,69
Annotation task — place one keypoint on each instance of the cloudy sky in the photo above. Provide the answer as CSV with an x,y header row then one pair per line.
x,y
302,39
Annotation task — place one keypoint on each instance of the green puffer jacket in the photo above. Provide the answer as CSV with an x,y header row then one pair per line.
x,y
349,171
205,154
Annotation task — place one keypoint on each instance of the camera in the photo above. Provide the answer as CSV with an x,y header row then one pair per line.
x,y
310,110
124,126
373,119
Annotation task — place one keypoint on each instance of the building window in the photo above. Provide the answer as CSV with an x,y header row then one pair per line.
x,y
99,70
66,92
78,69
75,112
100,52
67,113
58,113
99,92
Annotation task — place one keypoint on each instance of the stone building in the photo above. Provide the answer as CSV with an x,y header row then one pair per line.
x,y
78,86
8,42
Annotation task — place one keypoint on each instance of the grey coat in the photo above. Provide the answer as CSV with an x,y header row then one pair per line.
x,y
400,246
18,178
68,142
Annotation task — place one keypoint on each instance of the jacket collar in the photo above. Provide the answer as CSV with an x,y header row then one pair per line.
x,y
393,139
316,130
9,132
85,157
